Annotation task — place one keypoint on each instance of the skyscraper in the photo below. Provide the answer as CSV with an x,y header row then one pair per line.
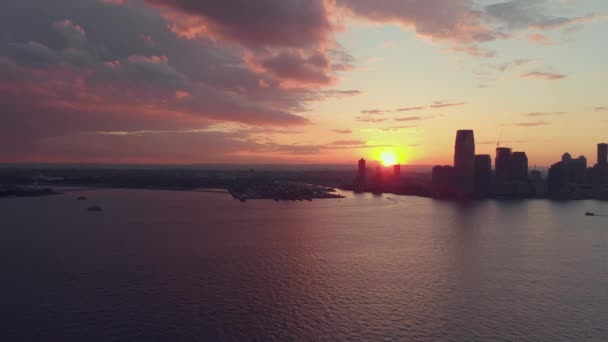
x,y
397,171
519,166
483,173
602,154
361,176
464,161
464,156
503,164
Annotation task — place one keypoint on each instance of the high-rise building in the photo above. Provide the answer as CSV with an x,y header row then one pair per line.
x,y
362,169
519,166
464,161
483,174
397,171
503,164
378,174
464,156
557,178
602,154
577,170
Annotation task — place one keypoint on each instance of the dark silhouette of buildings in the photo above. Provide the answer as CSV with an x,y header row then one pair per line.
x,y
536,176
362,170
503,164
519,167
378,175
573,179
397,171
444,182
464,161
602,154
483,174
472,176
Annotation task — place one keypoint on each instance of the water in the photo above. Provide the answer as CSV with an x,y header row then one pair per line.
x,y
162,265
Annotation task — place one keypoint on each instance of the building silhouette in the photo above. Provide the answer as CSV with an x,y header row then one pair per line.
x,y
472,176
536,176
444,182
397,171
378,175
464,161
483,174
577,170
519,167
602,154
557,179
503,164
362,170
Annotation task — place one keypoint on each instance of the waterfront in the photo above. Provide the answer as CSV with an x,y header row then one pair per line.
x,y
168,265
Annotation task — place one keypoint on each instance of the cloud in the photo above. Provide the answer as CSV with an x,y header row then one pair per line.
x,y
537,114
397,128
538,37
118,67
375,111
370,119
409,118
408,109
339,93
522,14
528,124
342,131
512,64
262,23
441,104
295,66
348,142
456,22
544,75
414,118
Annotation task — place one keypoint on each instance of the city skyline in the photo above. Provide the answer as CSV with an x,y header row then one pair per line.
x,y
299,82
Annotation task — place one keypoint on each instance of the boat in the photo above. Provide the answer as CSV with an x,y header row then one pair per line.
x,y
95,208
589,214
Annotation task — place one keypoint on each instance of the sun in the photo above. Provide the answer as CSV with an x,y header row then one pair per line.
x,y
388,158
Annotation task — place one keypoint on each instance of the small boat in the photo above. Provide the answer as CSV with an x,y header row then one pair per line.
x,y
95,208
589,214
81,198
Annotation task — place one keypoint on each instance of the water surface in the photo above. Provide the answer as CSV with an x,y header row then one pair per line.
x,y
167,265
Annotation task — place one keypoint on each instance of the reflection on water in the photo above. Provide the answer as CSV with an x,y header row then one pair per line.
x,y
186,265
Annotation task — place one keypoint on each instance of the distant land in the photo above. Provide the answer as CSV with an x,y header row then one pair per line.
x,y
206,167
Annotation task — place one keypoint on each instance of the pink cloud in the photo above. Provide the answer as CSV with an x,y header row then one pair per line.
x,y
295,66
538,37
288,23
544,75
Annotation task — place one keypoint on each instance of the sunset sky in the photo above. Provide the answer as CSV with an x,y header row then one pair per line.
x,y
299,81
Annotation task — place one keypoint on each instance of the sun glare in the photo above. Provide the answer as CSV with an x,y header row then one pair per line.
x,y
388,158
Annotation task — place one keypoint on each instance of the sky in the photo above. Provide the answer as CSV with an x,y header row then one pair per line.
x,y
299,81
